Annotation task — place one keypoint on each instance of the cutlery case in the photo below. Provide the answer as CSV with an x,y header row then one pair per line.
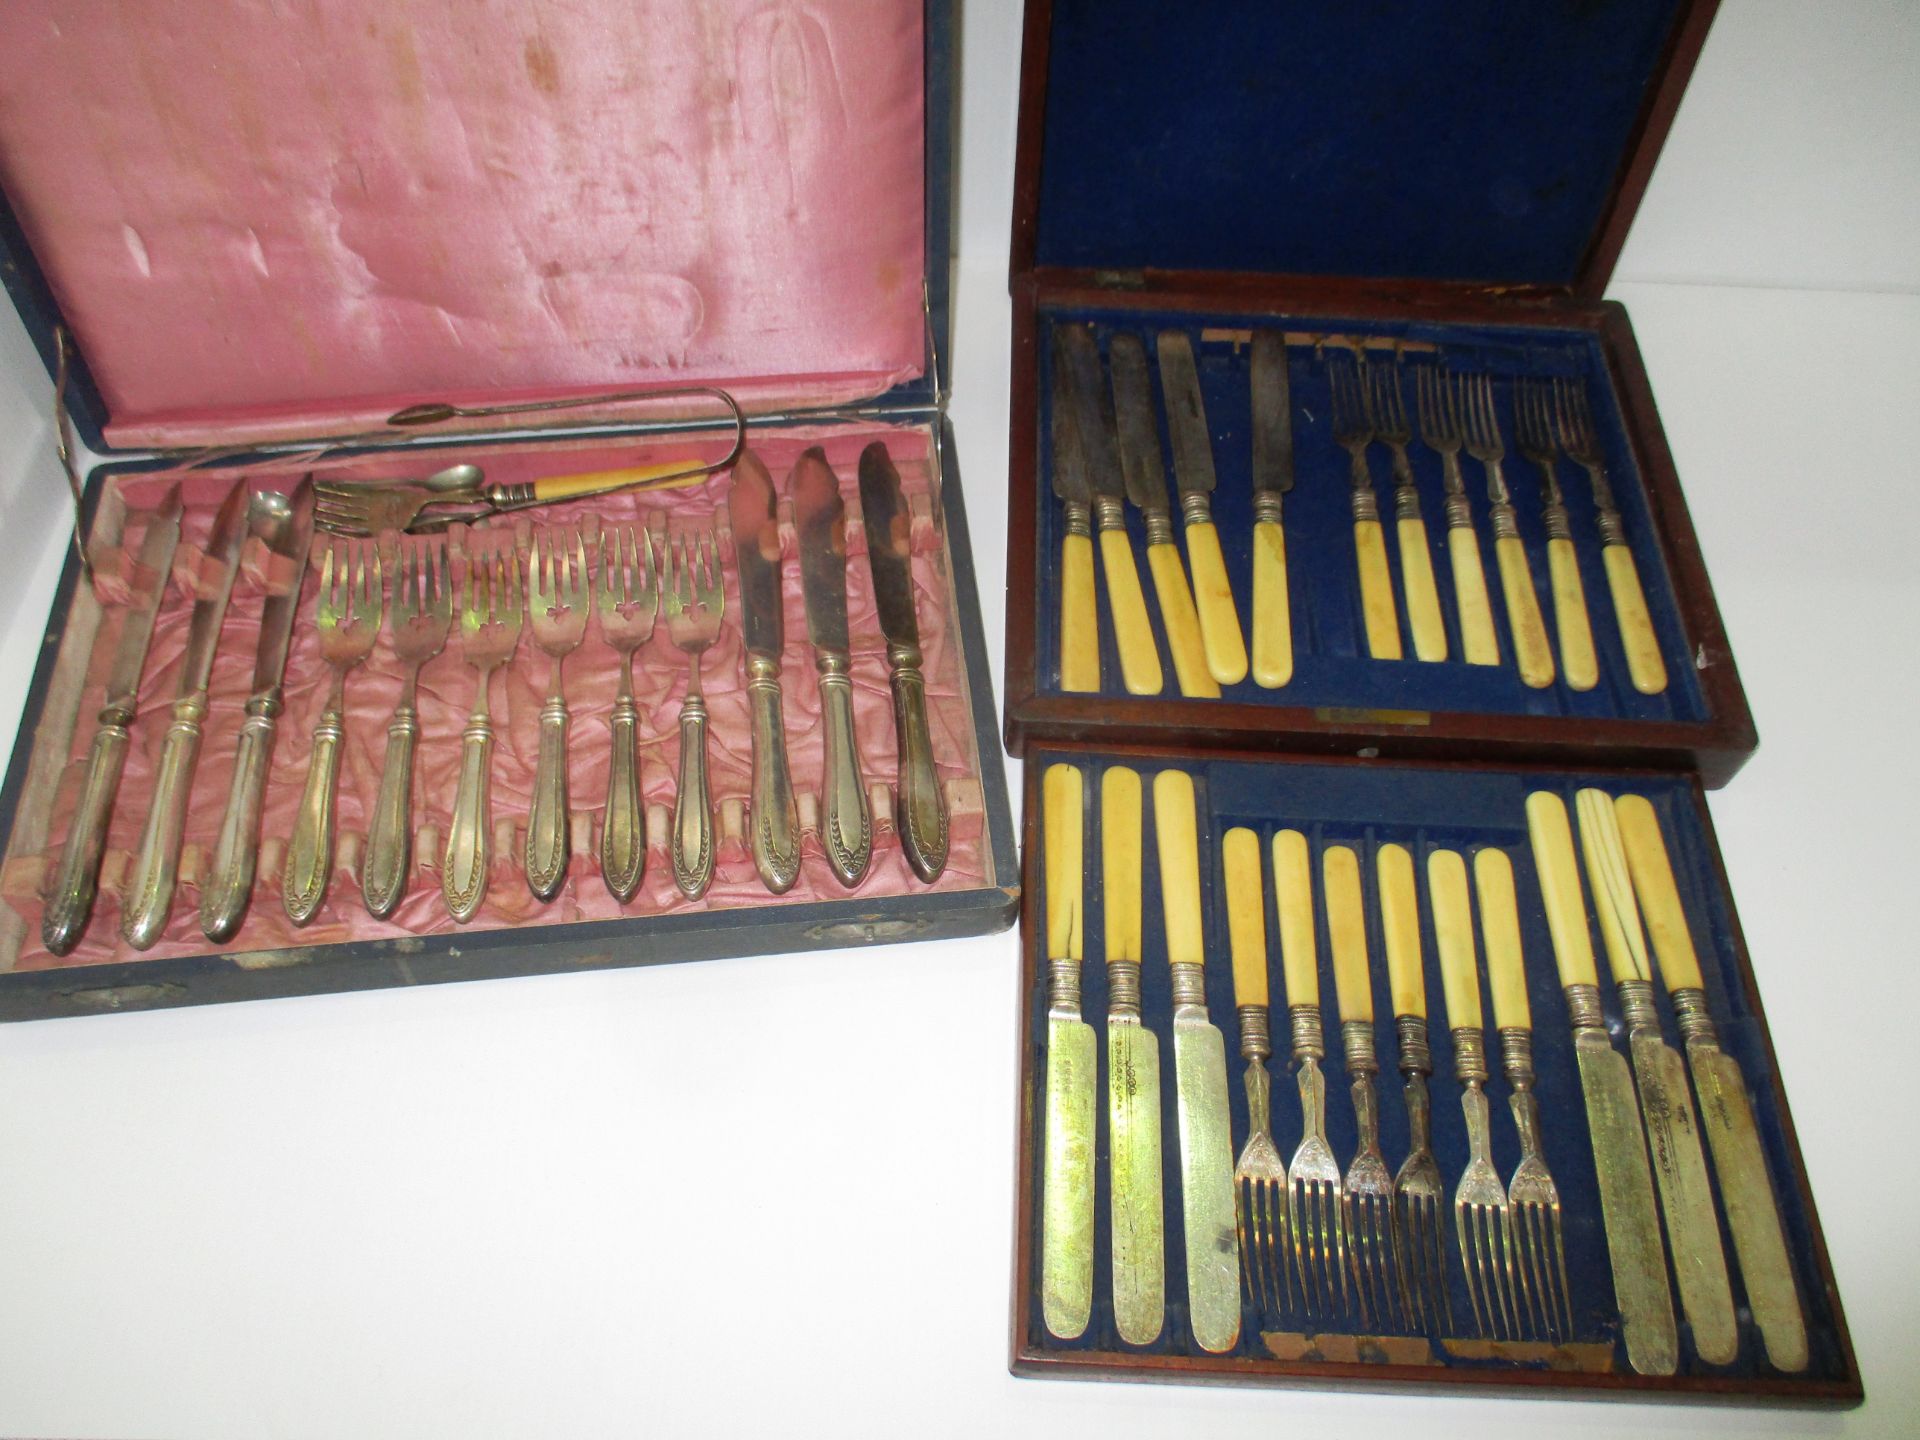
x,y
1442,190
274,232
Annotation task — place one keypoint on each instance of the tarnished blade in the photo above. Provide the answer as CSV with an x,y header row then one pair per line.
x,y
223,558
155,566
1092,408
1139,1241
821,518
1066,1187
1272,414
1069,450
276,618
1627,1206
1186,415
889,525
756,550
1139,435
1206,1179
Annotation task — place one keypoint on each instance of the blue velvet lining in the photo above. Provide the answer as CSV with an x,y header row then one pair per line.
x,y
1423,808
1434,139
1331,663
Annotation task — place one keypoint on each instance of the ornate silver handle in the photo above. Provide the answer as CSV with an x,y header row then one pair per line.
x,y
623,843
846,827
310,852
229,888
692,810
70,901
383,874
775,817
920,806
156,867
547,824
463,878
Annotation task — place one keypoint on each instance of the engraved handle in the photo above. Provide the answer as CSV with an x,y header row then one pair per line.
x,y
692,845
1577,657
1376,591
1400,927
1079,629
70,901
310,852
1179,846
383,873
229,887
1272,656
919,803
1120,861
1423,596
1246,916
846,829
156,866
1478,639
1347,932
547,823
463,877
1644,665
775,817
1132,631
623,843
1552,840
1213,598
1182,622
1530,647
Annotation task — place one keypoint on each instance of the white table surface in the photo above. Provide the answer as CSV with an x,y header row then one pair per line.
x,y
556,1207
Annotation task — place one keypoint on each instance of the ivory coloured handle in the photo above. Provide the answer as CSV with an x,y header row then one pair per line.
x,y
1213,597
1500,928
1453,936
1552,840
1653,882
1183,623
599,482
1061,816
1293,894
1272,657
1400,922
1120,861
1079,629
1423,596
1376,591
1174,824
1347,932
1644,665
1132,631
1612,886
1531,651
1479,642
1582,666
1246,915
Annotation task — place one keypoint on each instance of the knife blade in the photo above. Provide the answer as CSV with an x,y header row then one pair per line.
x,y
821,518
1726,1113
1066,1185
774,815
76,882
1634,1247
919,804
1133,1076
285,525
1271,656
1146,486
150,883
1673,1132
1079,623
1200,1078
1193,473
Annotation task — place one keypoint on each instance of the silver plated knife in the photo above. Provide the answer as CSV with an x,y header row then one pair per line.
x,y
1066,1176
75,883
1192,440
756,549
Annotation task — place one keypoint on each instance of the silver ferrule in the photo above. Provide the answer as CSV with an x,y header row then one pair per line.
x,y
1256,1038
1189,984
1406,502
1063,985
1266,507
1123,988
1108,512
1416,1057
1612,532
1159,527
1470,1055
1196,507
1554,515
1584,1010
1516,1056
1309,1037
1690,1011
1636,1005
1504,525
1079,519
1459,513
1356,1039
1366,504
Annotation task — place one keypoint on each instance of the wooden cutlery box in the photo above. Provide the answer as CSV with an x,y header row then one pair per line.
x,y
1301,236
246,240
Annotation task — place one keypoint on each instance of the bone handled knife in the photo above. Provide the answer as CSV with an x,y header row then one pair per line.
x,y
1138,1249
920,806
1066,1184
1094,422
76,881
156,866
1627,1206
1272,650
1673,1131
1079,621
1200,1078
773,814
1193,473
1146,480
1726,1114
821,518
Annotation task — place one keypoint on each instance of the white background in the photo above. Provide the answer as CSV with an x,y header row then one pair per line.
x,y
775,1194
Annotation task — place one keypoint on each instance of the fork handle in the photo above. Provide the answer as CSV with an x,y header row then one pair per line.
x,y
547,824
692,809
1376,589
310,851
774,815
1416,574
1577,657
229,887
463,878
623,843
1531,651
1644,665
383,874
1478,640
846,828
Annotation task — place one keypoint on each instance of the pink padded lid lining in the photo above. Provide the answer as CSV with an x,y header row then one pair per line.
x,y
270,219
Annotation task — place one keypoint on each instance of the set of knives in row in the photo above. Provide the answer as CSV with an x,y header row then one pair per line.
x,y
1106,451
1361,1247
553,591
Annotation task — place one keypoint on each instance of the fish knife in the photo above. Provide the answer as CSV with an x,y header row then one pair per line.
x,y
1066,1186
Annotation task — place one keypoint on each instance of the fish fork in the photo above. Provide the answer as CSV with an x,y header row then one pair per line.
x,y
629,601
1533,427
419,619
1531,651
352,599
491,614
1353,432
1438,397
1259,1176
559,595
1574,425
694,599
1387,409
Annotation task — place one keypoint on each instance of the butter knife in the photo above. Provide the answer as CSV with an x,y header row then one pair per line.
x,y
1066,1176
756,548
1192,440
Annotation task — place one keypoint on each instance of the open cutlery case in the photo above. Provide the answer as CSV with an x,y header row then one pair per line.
x,y
1430,201
361,212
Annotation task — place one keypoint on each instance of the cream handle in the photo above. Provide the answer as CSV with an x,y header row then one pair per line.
x,y
1376,591
1500,928
550,488
1423,596
1179,843
1653,882
1453,937
1582,666
1272,657
1060,801
1612,887
1644,665
1552,840
1531,651
1079,628
1400,922
1132,631
1120,861
1246,916
1293,893
1213,597
1183,623
1347,932
1478,640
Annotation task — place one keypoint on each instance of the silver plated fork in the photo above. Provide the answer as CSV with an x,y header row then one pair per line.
x,y
1439,402
558,599
694,599
1532,654
1353,432
490,618
1534,428
629,596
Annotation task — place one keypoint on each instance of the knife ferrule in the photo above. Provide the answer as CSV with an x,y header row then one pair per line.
x,y
1079,518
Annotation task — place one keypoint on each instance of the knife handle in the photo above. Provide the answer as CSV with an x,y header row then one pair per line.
x,y
1376,587
1453,937
75,883
1246,916
463,878
1500,928
156,865
845,826
1626,944
1400,925
1120,861
1552,839
1079,626
692,848
771,809
1179,844
383,873
1478,639
1416,574
1531,651
548,821
1213,598
1293,897
1272,657
1653,882
919,804
310,851
1132,631
1582,666
1347,932
1182,622
1644,665
1062,819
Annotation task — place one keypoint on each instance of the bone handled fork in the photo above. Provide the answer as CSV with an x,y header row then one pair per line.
x,y
490,619
1418,1194
1533,417
694,599
1438,394
1259,1176
1388,411
1353,432
1532,653
420,617
352,597
629,601
558,595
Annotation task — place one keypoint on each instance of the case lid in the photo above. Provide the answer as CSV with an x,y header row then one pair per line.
x,y
1475,141
274,221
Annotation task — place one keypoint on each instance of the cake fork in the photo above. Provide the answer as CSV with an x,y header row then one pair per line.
x,y
1531,651
629,602
1533,427
558,598
490,620
694,598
